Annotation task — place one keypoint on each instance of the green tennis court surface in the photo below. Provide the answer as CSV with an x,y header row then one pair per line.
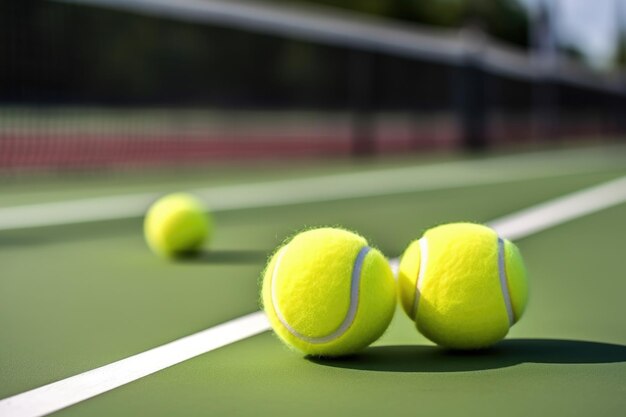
x,y
80,296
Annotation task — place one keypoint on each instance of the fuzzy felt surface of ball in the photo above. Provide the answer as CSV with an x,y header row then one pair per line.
x,y
463,285
177,224
326,292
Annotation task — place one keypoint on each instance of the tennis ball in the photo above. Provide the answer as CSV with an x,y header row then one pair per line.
x,y
463,285
326,292
177,224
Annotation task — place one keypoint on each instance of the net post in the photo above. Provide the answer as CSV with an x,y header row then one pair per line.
x,y
362,101
473,111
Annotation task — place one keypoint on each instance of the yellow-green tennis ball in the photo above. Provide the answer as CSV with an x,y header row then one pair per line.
x,y
328,293
463,285
177,224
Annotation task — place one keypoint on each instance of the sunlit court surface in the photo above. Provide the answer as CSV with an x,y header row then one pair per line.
x,y
260,120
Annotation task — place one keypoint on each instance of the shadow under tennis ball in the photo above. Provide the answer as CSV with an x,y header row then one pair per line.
x,y
224,257
507,353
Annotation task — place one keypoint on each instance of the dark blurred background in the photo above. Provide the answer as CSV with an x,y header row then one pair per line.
x,y
97,84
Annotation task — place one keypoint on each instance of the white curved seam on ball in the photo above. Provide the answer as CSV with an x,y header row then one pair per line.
x,y
423,243
355,282
504,282
394,264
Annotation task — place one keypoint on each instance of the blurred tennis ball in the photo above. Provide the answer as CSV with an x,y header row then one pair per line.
x,y
328,293
463,285
177,224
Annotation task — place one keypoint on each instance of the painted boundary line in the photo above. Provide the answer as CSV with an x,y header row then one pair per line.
x,y
335,187
561,210
64,393
61,394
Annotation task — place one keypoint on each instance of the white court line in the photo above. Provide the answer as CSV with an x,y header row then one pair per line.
x,y
335,187
560,210
69,391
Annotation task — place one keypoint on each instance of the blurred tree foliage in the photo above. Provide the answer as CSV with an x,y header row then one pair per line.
x,y
620,57
506,20
53,52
